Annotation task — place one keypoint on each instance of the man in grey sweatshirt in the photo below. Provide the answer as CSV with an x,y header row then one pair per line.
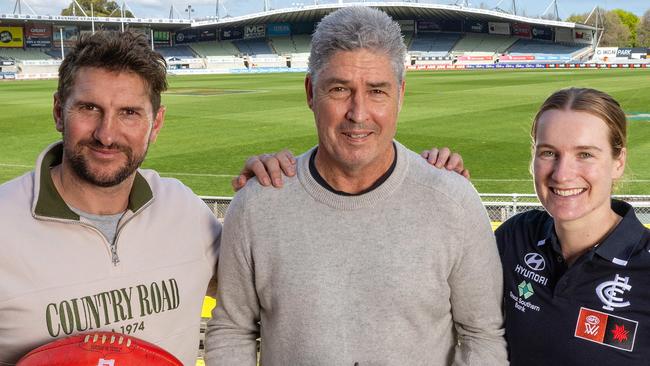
x,y
367,256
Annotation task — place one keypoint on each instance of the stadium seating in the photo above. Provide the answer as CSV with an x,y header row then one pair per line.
x,y
283,45
531,46
302,43
253,47
25,54
212,48
434,44
179,51
408,38
481,43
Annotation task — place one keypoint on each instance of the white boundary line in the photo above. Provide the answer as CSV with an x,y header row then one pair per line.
x,y
16,165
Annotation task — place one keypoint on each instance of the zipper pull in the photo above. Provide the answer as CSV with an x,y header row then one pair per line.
x,y
114,256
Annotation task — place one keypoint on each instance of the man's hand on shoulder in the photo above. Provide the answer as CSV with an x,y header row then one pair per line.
x,y
268,168
444,157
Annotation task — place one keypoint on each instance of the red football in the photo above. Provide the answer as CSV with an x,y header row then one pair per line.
x,y
99,349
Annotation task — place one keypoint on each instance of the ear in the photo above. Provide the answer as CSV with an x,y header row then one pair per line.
x,y
401,96
309,90
57,112
619,164
158,122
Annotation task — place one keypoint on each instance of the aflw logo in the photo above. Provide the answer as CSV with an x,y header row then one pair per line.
x,y
592,325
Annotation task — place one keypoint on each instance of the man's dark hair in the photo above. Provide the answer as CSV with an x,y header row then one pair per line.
x,y
115,51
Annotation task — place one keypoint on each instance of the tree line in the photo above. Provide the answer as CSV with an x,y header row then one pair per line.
x,y
101,8
621,28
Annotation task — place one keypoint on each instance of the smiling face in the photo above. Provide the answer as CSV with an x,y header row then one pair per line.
x,y
356,102
107,123
573,165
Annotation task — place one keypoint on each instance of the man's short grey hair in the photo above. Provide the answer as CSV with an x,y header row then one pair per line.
x,y
353,28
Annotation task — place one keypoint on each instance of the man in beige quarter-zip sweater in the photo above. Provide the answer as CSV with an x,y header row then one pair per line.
x,y
89,241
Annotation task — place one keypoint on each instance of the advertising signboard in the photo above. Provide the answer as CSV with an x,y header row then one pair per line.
x,y
624,52
499,28
38,35
582,36
605,53
521,30
11,37
542,33
254,31
186,36
207,35
476,26
278,29
161,37
231,33
70,35
429,26
407,25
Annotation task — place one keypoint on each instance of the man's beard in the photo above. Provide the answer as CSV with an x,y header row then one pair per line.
x,y
81,167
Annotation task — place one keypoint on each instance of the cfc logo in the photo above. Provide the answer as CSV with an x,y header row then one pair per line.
x,y
609,292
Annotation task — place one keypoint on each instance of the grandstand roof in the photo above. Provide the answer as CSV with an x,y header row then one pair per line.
x,y
397,10
308,13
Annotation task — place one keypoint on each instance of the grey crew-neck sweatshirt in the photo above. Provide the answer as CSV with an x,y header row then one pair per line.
x,y
406,274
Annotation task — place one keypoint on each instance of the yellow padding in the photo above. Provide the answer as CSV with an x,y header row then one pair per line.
x,y
208,304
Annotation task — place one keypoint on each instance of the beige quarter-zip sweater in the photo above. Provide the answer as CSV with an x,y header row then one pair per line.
x,y
58,275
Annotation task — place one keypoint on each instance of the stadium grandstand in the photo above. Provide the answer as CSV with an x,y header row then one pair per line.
x,y
437,36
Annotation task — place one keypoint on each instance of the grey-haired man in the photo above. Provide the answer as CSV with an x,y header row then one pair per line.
x,y
367,256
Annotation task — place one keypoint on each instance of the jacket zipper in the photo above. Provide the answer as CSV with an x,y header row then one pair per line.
x,y
115,259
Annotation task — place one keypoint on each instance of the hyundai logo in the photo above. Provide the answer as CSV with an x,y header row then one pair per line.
x,y
535,261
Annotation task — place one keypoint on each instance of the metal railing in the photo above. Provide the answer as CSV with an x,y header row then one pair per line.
x,y
500,207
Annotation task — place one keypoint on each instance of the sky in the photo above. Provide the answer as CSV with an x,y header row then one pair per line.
x,y
207,8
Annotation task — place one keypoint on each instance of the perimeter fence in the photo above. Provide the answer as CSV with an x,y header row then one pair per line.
x,y
500,207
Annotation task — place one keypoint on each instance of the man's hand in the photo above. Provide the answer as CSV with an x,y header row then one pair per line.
x,y
268,168
443,157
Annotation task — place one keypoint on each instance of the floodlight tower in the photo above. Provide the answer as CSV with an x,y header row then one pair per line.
x,y
556,14
514,7
189,12
18,7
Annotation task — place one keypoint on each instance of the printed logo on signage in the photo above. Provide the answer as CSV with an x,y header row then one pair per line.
x,y
254,31
624,52
606,329
6,37
610,293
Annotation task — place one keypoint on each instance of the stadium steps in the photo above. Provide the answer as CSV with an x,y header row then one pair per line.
x,y
302,43
282,45
435,44
253,46
180,51
20,54
212,48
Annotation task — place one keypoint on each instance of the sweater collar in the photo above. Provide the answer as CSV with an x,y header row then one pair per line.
x,y
49,203
383,191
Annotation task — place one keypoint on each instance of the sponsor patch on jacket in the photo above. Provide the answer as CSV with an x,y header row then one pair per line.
x,y
606,329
